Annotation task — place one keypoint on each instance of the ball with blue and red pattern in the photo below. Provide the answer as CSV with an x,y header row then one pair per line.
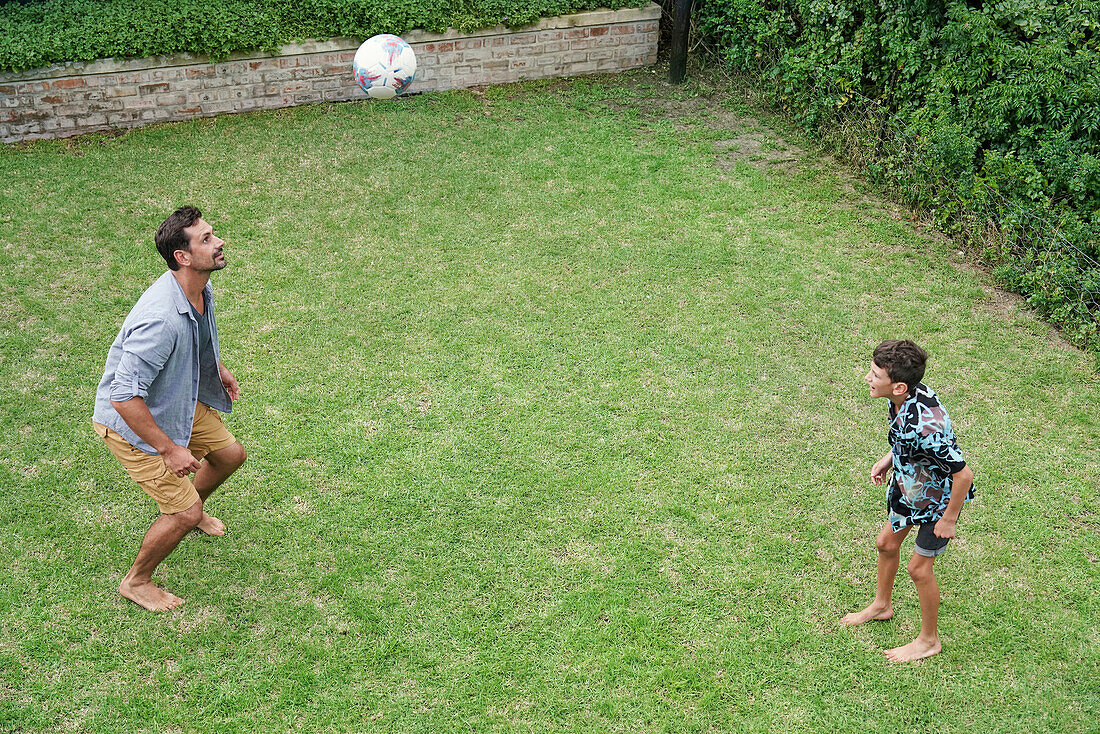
x,y
384,66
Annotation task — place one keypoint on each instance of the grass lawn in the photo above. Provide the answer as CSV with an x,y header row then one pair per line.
x,y
554,404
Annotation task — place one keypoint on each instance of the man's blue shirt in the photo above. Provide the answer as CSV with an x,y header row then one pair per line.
x,y
156,356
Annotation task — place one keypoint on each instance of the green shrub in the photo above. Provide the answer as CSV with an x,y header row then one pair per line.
x,y
985,114
44,32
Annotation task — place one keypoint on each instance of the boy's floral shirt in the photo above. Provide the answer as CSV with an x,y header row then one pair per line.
x,y
925,456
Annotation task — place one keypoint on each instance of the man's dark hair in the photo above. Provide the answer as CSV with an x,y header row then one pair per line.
x,y
903,361
171,237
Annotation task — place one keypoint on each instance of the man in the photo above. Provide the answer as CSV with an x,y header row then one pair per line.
x,y
155,406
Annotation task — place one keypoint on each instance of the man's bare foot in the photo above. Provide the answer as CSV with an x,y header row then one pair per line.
x,y
149,595
874,611
211,525
918,649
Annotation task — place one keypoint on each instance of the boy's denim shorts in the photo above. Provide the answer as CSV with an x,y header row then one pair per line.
x,y
927,544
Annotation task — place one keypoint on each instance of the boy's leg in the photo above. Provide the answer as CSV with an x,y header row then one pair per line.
x,y
888,544
927,642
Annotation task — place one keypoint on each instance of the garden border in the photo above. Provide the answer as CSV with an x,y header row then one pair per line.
x,y
75,98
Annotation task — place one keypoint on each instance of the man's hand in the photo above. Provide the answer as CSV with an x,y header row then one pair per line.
x,y
229,381
880,469
945,528
180,461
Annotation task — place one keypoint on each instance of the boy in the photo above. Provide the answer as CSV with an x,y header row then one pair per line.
x,y
930,482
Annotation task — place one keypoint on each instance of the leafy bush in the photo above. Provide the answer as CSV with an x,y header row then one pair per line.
x,y
36,33
985,113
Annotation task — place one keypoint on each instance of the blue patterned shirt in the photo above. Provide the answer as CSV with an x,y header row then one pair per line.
x,y
925,456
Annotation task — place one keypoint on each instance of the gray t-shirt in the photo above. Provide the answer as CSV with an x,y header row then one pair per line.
x,y
210,381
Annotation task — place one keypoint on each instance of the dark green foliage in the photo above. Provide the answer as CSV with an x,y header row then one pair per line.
x,y
986,114
34,34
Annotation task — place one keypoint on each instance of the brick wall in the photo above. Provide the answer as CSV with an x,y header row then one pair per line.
x,y
70,99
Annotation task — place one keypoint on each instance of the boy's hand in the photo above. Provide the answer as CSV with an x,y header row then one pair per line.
x,y
944,528
880,469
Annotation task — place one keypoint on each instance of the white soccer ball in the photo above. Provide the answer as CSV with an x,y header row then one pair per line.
x,y
384,66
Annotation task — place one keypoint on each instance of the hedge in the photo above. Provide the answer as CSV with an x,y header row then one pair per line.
x,y
984,114
36,33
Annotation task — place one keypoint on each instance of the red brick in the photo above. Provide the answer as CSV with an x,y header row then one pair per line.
x,y
50,99
205,71
599,31
67,84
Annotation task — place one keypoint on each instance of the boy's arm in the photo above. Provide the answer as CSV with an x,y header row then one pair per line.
x,y
883,465
960,487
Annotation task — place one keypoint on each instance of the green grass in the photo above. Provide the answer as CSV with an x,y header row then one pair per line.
x,y
556,422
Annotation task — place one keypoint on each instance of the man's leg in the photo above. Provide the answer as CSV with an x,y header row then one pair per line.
x,y
927,643
161,539
888,544
216,468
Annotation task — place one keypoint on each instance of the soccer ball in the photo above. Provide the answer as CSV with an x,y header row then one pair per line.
x,y
384,66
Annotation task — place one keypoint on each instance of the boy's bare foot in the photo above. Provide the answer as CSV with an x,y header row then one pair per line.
x,y
149,596
211,525
918,649
874,611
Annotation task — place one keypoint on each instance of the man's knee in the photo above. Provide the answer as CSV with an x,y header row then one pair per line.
x,y
190,517
228,459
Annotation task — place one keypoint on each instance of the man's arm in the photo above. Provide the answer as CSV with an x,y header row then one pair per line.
x,y
229,381
961,482
136,413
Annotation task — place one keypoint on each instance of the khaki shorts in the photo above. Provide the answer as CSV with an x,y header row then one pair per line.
x,y
172,494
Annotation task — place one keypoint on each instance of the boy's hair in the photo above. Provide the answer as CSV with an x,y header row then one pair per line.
x,y
171,237
902,359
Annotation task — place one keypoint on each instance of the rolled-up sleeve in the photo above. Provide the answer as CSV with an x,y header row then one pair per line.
x,y
941,447
145,349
